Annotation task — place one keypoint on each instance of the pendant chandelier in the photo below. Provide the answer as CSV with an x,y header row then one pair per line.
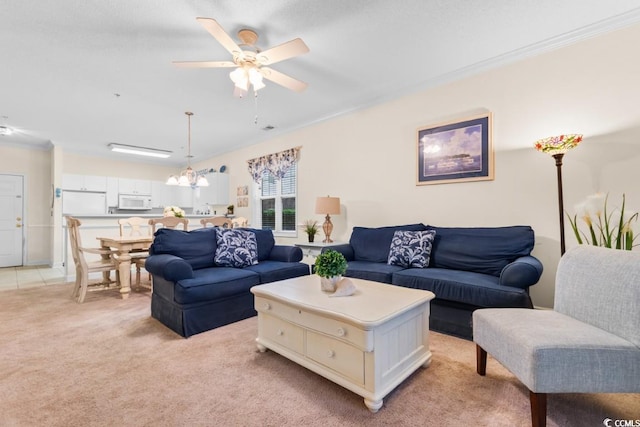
x,y
188,177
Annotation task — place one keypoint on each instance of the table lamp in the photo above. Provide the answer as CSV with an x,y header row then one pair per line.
x,y
327,206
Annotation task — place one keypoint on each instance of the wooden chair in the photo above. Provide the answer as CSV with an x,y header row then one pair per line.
x,y
83,267
217,221
138,258
167,222
134,224
240,222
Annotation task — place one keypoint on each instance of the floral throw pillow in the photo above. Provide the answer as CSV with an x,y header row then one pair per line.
x,y
236,248
411,248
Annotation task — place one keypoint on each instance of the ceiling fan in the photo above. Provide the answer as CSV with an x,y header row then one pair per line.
x,y
250,62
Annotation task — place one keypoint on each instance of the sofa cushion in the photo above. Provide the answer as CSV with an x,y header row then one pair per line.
x,y
214,283
374,271
265,241
372,244
480,290
196,247
236,248
481,250
411,248
272,271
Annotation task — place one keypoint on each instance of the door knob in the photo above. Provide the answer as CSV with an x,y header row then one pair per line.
x,y
18,225
18,219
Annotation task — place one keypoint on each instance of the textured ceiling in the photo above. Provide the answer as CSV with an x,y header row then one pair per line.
x,y
83,73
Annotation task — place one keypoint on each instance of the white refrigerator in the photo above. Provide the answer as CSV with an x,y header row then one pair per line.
x,y
84,203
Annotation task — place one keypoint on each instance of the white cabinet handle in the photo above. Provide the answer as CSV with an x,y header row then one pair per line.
x,y
280,332
330,353
266,306
341,332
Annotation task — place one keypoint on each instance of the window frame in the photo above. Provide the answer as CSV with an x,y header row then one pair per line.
x,y
258,197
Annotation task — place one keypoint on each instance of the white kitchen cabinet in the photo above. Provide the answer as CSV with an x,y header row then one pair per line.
x,y
84,182
217,193
158,190
134,186
184,197
112,191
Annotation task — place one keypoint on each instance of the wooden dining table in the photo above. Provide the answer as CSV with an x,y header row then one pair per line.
x,y
124,245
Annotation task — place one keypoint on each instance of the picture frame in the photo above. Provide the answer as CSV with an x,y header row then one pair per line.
x,y
459,151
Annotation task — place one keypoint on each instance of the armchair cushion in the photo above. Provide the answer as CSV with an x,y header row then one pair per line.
x,y
554,353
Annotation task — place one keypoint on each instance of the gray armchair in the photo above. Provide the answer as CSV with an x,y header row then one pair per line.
x,y
589,342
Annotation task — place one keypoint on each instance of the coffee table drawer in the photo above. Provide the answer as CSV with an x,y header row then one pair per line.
x,y
336,328
283,333
336,355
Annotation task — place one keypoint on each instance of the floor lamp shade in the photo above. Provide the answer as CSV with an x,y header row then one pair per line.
x,y
327,206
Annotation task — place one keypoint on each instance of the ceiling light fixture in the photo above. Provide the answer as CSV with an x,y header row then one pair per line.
x,y
188,178
139,151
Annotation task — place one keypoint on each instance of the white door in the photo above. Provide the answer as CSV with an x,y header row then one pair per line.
x,y
11,220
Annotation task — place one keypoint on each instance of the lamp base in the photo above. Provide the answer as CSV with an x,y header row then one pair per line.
x,y
327,227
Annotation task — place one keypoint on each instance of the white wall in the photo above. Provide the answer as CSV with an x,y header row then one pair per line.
x,y
368,158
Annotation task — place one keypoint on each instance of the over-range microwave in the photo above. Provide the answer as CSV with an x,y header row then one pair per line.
x,y
134,202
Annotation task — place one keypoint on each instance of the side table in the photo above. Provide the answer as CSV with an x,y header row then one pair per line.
x,y
313,249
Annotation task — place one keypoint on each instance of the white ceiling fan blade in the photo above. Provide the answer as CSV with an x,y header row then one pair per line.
x,y
284,51
212,26
204,64
283,79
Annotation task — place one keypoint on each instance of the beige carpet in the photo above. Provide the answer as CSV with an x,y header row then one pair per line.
x,y
108,363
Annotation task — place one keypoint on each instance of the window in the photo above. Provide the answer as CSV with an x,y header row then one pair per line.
x,y
277,202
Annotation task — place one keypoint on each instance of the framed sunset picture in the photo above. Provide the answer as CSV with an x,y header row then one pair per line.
x,y
457,151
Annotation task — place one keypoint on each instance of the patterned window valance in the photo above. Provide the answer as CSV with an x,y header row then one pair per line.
x,y
277,163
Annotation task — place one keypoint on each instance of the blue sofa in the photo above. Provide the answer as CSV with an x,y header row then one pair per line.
x,y
192,294
468,268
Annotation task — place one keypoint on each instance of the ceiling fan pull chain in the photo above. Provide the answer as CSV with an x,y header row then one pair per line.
x,y
255,100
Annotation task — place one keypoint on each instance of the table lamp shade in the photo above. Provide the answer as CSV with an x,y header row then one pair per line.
x,y
328,205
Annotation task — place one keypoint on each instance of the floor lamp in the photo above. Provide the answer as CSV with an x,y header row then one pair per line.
x,y
327,206
556,146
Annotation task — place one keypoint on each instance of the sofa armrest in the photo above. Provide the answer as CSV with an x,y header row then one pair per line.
x,y
169,267
345,249
521,273
286,253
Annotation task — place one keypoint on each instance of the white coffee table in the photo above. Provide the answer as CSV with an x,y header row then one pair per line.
x,y
368,342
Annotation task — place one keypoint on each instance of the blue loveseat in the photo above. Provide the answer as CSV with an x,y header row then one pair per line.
x,y
468,268
193,294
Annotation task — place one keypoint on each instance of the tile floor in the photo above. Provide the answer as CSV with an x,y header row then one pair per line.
x,y
29,277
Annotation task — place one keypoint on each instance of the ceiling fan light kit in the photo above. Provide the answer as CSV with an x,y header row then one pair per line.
x,y
251,62
188,177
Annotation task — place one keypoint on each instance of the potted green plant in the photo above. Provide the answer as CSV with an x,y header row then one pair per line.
x,y
311,228
330,265
230,210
